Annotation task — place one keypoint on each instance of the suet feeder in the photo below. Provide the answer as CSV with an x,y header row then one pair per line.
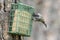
x,y
20,20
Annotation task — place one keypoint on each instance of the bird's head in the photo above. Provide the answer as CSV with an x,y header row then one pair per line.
x,y
38,17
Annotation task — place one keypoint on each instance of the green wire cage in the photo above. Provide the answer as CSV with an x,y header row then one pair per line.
x,y
20,20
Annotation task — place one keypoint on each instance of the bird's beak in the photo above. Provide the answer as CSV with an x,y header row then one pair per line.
x,y
44,24
42,21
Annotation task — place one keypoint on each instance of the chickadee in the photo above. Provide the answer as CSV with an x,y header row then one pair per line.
x,y
38,17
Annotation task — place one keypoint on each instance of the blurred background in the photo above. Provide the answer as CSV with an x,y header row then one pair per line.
x,y
50,10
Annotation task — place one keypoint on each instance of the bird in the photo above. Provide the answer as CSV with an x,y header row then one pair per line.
x,y
38,17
